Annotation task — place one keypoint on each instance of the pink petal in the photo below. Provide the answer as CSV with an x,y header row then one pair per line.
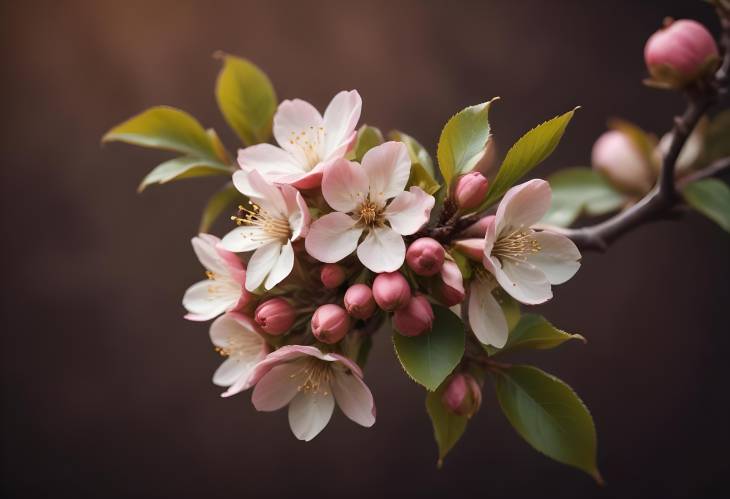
x,y
309,413
354,398
388,167
523,205
204,247
284,354
485,315
558,257
270,161
332,237
277,387
344,185
261,192
299,217
473,248
451,275
340,120
297,124
383,250
409,211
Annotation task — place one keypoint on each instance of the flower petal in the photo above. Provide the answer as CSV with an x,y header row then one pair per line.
x,y
523,281
204,247
332,237
245,238
282,267
261,191
383,250
344,185
309,413
297,126
558,257
485,315
388,167
340,120
297,210
277,387
354,398
270,161
230,371
203,305
451,275
409,211
261,263
523,205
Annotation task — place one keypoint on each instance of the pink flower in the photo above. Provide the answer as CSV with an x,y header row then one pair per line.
x,y
279,216
235,336
360,196
223,291
311,382
307,141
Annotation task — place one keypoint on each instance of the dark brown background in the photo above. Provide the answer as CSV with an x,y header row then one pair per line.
x,y
105,388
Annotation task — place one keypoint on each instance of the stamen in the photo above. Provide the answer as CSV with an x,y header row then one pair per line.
x,y
517,246
272,225
370,213
308,141
316,374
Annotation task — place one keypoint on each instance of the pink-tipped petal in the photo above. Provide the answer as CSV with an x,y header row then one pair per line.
x,y
332,237
383,250
524,205
354,398
388,167
272,162
277,387
340,120
204,247
344,185
409,211
297,125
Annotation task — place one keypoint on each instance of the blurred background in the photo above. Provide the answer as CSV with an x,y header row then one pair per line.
x,y
106,390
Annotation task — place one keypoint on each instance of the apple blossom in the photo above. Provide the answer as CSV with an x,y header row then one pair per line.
x,y
330,323
425,256
235,336
332,275
278,217
307,141
223,291
359,301
415,318
391,291
275,316
360,196
310,382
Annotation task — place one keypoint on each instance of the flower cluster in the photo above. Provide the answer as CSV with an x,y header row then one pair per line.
x,y
328,249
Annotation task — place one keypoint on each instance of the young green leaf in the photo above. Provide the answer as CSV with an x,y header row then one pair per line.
x,y
549,415
535,332
447,426
577,191
715,140
164,127
246,98
367,138
222,201
183,167
528,152
421,178
711,197
463,141
418,153
430,357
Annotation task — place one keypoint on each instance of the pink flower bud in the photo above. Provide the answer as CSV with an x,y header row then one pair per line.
x,y
275,316
463,395
415,318
472,248
330,323
359,301
425,256
680,53
618,159
391,291
470,191
332,275
450,289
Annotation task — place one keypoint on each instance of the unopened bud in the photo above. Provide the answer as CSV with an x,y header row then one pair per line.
x,y
470,190
425,256
415,318
463,395
618,159
275,316
330,323
332,275
359,301
450,289
391,291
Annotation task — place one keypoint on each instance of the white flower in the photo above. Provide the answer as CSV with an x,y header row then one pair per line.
x,y
223,290
360,196
278,216
307,141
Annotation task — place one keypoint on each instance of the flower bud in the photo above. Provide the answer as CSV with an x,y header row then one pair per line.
x,y
618,159
470,191
391,291
275,316
450,289
463,395
472,248
332,275
330,323
425,256
415,318
680,53
359,301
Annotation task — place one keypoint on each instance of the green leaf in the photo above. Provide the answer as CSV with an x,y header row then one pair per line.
x,y
183,167
578,191
462,261
418,153
246,98
528,152
716,144
447,426
549,415
226,199
463,141
164,127
367,138
421,178
711,197
534,332
430,357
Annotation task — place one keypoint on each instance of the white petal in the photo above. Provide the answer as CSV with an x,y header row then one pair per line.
x,y
344,185
332,237
383,250
203,305
409,211
230,371
354,398
523,205
299,129
282,267
245,238
261,263
523,281
261,191
299,216
485,315
277,387
558,257
270,161
340,120
204,247
309,413
388,167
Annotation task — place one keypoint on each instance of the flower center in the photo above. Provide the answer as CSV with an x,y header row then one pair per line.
x,y
271,225
315,376
517,246
370,214
308,142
